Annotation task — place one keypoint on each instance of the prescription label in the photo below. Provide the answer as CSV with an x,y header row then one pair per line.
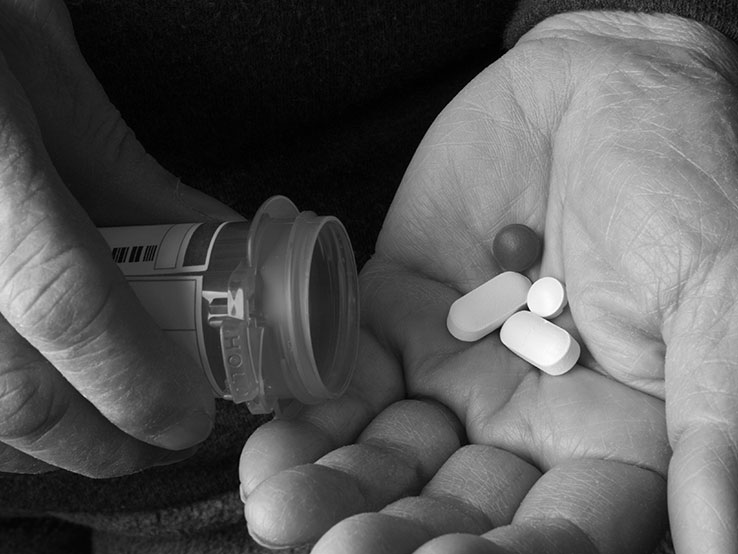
x,y
163,265
157,249
175,305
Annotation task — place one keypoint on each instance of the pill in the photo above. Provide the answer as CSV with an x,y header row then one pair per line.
x,y
540,343
485,308
547,297
516,247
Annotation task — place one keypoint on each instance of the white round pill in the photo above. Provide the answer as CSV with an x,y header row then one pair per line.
x,y
547,297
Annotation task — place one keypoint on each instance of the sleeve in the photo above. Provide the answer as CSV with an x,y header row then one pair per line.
x,y
720,14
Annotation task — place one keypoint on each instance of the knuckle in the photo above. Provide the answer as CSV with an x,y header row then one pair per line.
x,y
27,407
21,162
119,143
54,294
17,148
43,290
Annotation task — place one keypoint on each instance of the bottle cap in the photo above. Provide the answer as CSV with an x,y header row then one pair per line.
x,y
291,334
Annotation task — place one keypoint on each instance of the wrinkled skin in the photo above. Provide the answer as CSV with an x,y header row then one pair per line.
x,y
614,137
87,381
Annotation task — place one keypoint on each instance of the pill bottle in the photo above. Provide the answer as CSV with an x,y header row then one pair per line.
x,y
268,307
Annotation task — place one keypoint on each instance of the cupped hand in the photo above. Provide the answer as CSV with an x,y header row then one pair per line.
x,y
613,136
87,381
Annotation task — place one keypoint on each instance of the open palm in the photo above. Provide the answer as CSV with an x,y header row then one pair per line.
x,y
618,152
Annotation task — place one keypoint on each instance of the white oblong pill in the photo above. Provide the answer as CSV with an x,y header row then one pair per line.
x,y
484,309
547,297
540,343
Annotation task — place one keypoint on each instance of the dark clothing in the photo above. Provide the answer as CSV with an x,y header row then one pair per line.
x,y
323,101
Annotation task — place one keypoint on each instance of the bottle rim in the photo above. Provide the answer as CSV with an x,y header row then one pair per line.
x,y
307,236
322,240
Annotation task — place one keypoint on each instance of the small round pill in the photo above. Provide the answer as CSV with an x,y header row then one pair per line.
x,y
516,247
547,297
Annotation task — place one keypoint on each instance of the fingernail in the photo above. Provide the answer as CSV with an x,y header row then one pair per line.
x,y
173,457
270,545
190,431
242,494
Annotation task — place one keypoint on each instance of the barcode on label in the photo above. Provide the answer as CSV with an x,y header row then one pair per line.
x,y
134,254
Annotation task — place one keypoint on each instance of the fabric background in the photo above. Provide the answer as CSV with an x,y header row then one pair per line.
x,y
720,14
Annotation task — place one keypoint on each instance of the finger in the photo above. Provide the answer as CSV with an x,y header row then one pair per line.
x,y
15,461
617,507
395,456
96,154
553,536
587,507
282,444
478,488
61,291
703,502
483,479
45,423
702,410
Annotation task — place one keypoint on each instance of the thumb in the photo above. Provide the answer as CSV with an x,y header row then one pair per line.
x,y
97,156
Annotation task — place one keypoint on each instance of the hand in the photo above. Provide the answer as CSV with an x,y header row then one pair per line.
x,y
87,381
613,136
